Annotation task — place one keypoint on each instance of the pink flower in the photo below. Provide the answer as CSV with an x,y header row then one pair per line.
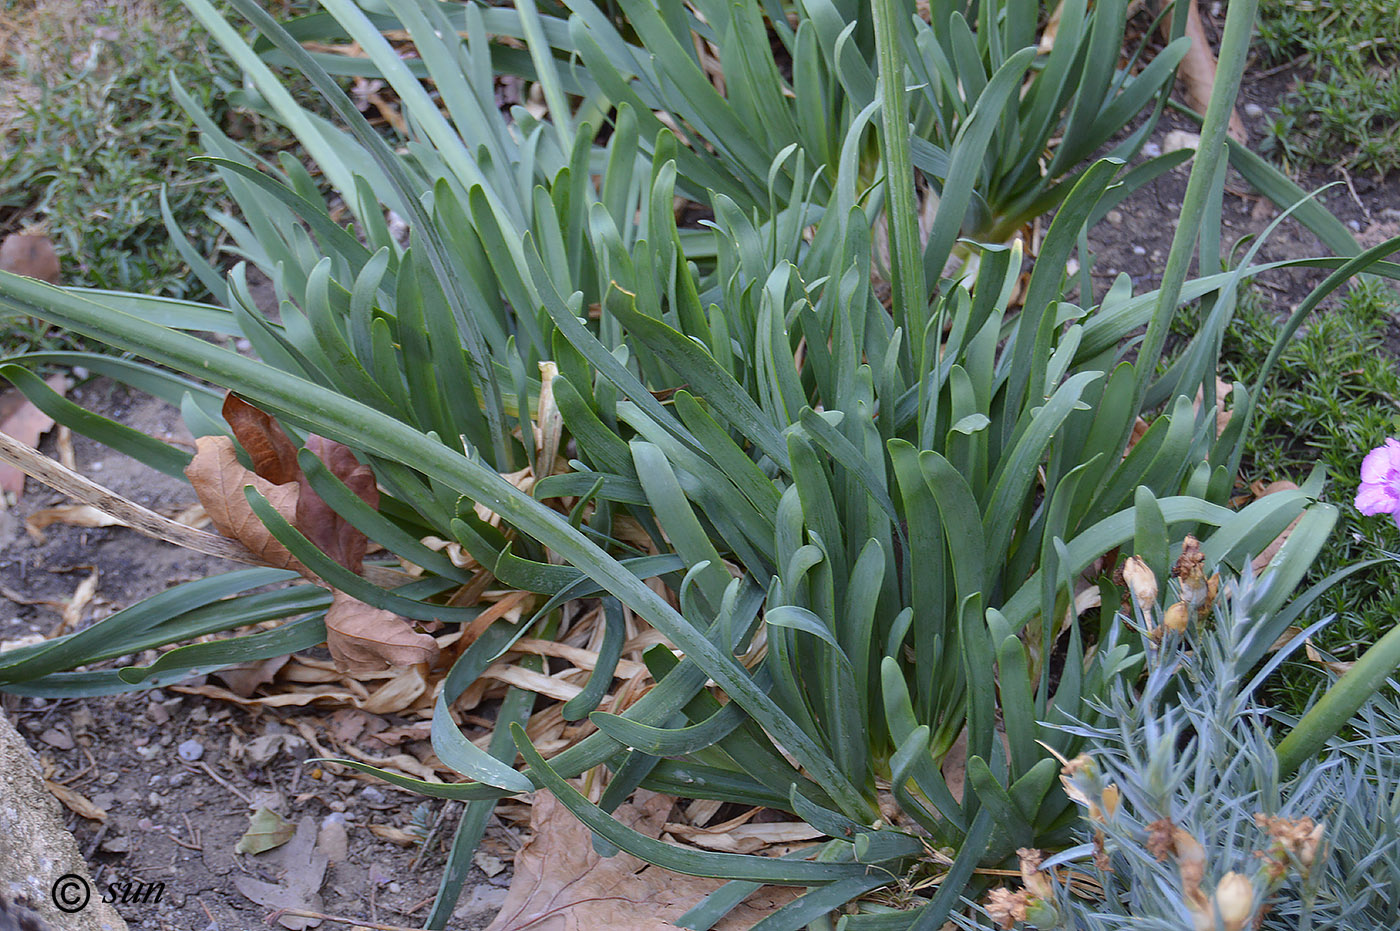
x,y
1380,481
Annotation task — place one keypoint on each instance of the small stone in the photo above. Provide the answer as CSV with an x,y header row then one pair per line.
x,y
157,713
1114,217
155,800
1177,139
179,779
243,345
1355,226
373,795
109,778
190,750
104,800
119,844
395,887
1151,150
1139,250
1253,111
96,467
58,739
337,805
332,839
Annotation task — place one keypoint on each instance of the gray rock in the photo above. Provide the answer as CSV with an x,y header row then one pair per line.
x,y
36,852
190,750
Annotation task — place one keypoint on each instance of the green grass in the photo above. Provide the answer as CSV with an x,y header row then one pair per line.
x,y
89,133
1348,100
1334,396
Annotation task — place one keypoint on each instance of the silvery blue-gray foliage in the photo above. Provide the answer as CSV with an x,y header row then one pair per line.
x,y
1192,749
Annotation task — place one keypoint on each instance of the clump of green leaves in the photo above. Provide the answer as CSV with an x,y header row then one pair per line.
x,y
1334,394
1348,99
860,509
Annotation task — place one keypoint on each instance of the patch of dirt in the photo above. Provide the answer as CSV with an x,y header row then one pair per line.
x,y
1137,236
176,820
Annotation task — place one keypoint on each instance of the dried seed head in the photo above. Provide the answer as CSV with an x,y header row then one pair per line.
x,y
1159,839
1295,838
1234,899
1143,584
1037,883
1197,591
1191,864
1005,907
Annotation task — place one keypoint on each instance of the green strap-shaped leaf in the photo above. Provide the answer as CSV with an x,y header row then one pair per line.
x,y
139,446
200,658
609,652
660,741
342,578
668,856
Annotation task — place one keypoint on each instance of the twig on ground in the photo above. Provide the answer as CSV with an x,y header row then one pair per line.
x,y
307,913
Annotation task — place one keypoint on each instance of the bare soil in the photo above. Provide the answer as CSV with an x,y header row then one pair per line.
x,y
175,820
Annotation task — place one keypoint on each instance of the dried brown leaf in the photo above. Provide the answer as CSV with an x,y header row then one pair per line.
x,y
76,515
266,830
1314,656
273,453
1197,70
30,254
245,678
1270,551
394,835
76,802
561,884
363,638
77,604
400,692
333,534
219,478
24,422
745,838
304,869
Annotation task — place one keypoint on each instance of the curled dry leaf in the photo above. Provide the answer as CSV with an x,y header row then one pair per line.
x,y
77,515
75,802
365,639
561,884
361,638
219,478
245,678
1270,551
1335,666
266,830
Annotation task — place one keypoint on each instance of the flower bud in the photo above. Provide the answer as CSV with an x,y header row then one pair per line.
x,y
1110,800
1234,900
1177,617
1041,913
1143,584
